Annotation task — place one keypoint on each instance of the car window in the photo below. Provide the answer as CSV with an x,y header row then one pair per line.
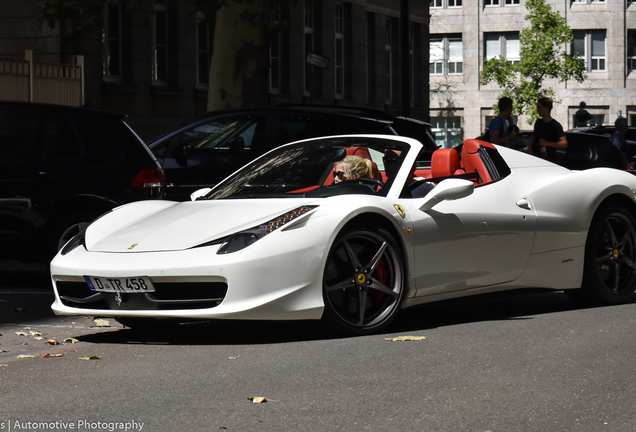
x,y
295,128
243,134
21,133
61,139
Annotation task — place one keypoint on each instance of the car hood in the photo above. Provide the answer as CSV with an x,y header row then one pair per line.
x,y
167,226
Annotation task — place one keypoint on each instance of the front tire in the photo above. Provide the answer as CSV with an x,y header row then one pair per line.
x,y
363,280
609,276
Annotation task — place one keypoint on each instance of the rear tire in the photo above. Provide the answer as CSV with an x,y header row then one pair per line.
x,y
363,280
609,275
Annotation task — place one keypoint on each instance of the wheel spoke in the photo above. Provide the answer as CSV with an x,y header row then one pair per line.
x,y
605,258
347,283
628,262
610,231
352,256
617,277
362,298
376,258
379,286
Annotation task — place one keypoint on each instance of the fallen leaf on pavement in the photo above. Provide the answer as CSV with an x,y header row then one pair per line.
x,y
260,399
53,355
71,340
52,342
38,338
35,333
257,400
101,323
3,365
4,351
25,356
19,310
91,358
406,338
22,333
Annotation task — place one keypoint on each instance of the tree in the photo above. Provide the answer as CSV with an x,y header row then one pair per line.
x,y
239,69
543,57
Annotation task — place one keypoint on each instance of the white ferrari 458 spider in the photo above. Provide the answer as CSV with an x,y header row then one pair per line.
x,y
293,235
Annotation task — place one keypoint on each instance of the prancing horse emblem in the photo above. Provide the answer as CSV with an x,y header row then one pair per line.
x,y
118,298
132,246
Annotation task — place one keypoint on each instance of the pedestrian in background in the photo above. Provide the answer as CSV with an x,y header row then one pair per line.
x,y
618,138
501,128
582,116
548,134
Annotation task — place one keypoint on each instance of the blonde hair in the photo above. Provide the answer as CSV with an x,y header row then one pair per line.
x,y
357,166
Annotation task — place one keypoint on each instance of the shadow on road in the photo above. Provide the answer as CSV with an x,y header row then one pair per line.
x,y
223,332
26,294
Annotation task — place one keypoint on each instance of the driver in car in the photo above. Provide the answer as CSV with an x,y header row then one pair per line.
x,y
351,168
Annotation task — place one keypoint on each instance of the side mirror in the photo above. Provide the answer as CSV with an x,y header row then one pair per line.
x,y
449,189
199,193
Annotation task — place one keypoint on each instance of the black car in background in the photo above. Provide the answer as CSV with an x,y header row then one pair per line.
x,y
210,148
584,151
608,130
62,167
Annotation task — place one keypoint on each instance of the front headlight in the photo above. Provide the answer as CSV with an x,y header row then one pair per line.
x,y
243,239
78,240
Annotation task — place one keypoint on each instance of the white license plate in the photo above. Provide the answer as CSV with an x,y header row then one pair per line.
x,y
140,284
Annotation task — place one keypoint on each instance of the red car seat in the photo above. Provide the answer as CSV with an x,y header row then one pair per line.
x,y
472,160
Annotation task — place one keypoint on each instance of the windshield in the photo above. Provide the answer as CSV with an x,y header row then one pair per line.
x,y
307,169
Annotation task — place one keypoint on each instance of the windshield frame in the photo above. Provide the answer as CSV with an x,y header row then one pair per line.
x,y
327,151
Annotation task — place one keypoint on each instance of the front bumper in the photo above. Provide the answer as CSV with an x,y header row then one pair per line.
x,y
197,283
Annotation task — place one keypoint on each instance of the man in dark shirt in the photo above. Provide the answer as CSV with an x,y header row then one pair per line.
x,y
548,133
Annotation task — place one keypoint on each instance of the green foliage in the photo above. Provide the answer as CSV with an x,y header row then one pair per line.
x,y
543,57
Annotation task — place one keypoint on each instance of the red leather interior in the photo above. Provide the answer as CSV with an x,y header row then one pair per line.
x,y
471,160
444,162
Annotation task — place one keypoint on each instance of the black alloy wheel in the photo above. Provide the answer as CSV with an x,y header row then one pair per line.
x,y
363,281
609,276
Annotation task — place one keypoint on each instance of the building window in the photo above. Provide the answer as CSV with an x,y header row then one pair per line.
x,y
503,45
447,131
160,45
111,40
388,59
444,4
205,35
446,55
631,50
587,1
275,52
590,46
340,55
309,44
501,2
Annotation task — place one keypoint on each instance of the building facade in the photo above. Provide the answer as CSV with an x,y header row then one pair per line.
x,y
154,65
464,33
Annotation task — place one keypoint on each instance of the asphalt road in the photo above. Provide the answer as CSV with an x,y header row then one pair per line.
x,y
532,362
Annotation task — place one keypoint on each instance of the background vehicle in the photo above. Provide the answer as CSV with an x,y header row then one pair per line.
x,y
205,151
608,130
584,150
61,167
